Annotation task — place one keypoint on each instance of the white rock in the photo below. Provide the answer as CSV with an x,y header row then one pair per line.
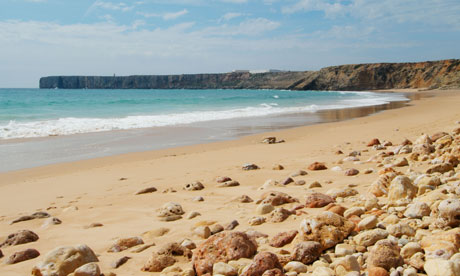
x,y
438,267
264,208
369,222
224,269
296,266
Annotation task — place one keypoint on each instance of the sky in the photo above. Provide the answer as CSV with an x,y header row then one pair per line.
x,y
105,37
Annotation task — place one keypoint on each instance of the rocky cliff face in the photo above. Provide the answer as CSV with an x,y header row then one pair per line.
x,y
431,74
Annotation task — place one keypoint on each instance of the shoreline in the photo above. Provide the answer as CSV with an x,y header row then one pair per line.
x,y
102,190
22,152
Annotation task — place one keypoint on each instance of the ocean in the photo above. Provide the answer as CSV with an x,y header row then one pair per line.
x,y
40,127
27,113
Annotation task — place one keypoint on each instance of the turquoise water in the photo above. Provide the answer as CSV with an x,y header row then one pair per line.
x,y
40,112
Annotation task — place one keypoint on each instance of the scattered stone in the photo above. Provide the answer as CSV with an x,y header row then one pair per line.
x,y
417,210
231,183
188,244
410,249
378,271
300,182
351,172
283,238
37,215
287,181
334,208
317,200
262,262
306,252
222,268
279,215
198,199
216,228
314,184
193,214
367,223
146,191
51,221
373,142
256,221
385,254
222,247
370,237
344,249
447,213
326,228
243,199
90,269
417,260
232,225
119,262
169,190
194,186
126,243
317,166
401,191
442,268
222,179
175,249
277,167
20,237
271,140
264,208
298,173
1,254
157,263
346,264
64,260
277,198
22,256
341,192
353,211
295,266
203,232
171,211
400,162
323,271
249,167
142,248
440,168
400,229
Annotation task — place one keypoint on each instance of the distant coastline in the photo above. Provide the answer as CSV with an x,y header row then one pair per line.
x,y
444,74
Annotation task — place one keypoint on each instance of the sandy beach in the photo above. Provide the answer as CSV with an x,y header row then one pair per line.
x,y
103,190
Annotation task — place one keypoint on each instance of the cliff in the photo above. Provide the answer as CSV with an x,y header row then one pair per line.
x,y
431,74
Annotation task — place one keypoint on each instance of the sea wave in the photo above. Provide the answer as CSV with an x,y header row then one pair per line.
x,y
72,125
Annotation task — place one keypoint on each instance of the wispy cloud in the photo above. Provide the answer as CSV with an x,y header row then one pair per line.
x,y
174,15
166,15
229,16
427,12
235,1
121,6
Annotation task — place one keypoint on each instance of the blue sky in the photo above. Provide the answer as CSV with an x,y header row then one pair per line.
x,y
106,37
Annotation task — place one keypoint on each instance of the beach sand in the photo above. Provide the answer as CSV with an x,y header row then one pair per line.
x,y
102,190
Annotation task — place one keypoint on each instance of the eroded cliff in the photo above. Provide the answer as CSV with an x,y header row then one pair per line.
x,y
431,74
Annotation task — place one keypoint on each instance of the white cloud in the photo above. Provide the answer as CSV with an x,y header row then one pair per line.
x,y
427,12
121,6
235,1
174,15
250,27
230,15
165,16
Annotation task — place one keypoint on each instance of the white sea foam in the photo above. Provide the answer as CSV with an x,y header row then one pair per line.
x,y
68,126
